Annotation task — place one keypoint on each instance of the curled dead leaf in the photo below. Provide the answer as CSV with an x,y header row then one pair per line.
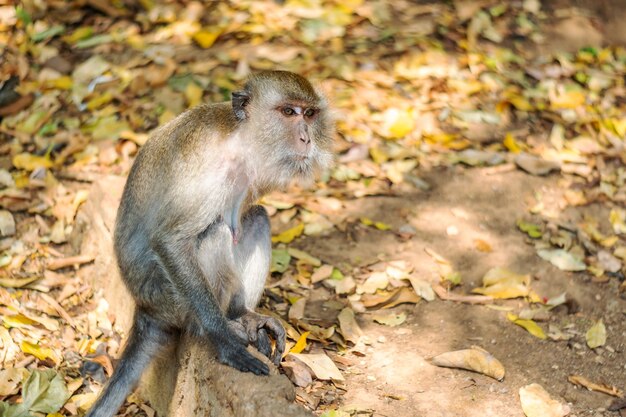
x,y
475,359
536,402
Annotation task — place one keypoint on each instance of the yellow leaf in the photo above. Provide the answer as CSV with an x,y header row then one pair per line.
x,y
41,353
441,138
62,83
300,344
569,100
520,103
511,144
79,34
382,226
31,162
17,321
532,327
205,38
502,283
193,94
378,155
99,101
366,221
596,335
288,235
398,123
482,245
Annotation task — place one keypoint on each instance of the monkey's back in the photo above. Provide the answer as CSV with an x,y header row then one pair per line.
x,y
162,168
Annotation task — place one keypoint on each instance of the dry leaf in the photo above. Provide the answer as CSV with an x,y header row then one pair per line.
x,y
596,335
10,380
321,273
390,319
536,402
592,386
350,329
502,283
322,366
376,281
532,327
562,259
289,235
300,344
475,359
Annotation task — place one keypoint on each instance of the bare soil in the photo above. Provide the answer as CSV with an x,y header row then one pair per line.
x,y
393,377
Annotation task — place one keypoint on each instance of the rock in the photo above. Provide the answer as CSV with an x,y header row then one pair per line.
x,y
187,380
535,165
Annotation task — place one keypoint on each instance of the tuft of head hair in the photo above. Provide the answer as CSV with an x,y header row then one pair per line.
x,y
290,85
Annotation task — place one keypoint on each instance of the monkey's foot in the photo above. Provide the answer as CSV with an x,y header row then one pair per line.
x,y
256,328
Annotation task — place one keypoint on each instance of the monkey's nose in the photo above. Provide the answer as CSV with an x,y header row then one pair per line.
x,y
306,141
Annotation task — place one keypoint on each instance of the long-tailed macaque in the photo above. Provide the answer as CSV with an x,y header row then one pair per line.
x,y
192,247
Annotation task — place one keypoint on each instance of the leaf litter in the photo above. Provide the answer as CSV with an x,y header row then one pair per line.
x,y
77,109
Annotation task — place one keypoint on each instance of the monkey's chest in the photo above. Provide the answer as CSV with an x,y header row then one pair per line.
x,y
232,214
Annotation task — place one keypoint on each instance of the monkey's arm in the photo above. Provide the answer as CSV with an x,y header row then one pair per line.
x,y
178,255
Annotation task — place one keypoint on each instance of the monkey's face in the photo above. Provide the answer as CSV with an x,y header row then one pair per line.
x,y
290,123
301,140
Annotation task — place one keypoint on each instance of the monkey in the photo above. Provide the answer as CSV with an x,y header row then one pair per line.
x,y
193,247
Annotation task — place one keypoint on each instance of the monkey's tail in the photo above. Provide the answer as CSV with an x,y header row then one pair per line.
x,y
147,338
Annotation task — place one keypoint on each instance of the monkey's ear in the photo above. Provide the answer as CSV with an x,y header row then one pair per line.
x,y
240,100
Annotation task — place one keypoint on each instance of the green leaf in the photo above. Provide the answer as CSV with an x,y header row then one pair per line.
x,y
179,82
44,391
94,41
24,16
531,229
336,274
280,260
48,33
596,335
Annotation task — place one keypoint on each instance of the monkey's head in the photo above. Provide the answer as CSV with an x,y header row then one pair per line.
x,y
289,125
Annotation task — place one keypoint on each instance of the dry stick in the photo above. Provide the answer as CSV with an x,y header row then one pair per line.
x,y
55,264
58,307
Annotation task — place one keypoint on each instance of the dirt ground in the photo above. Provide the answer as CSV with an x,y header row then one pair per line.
x,y
388,372
394,377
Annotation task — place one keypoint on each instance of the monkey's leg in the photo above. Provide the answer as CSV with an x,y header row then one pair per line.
x,y
203,272
253,255
147,337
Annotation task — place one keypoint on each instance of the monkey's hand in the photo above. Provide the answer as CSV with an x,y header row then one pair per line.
x,y
232,353
256,329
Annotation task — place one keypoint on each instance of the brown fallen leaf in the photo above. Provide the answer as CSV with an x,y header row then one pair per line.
x,y
348,326
10,380
462,298
321,273
592,386
58,308
105,362
298,373
535,165
55,264
390,299
17,282
321,365
475,359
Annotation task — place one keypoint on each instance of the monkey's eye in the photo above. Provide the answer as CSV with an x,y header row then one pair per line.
x,y
288,111
309,113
